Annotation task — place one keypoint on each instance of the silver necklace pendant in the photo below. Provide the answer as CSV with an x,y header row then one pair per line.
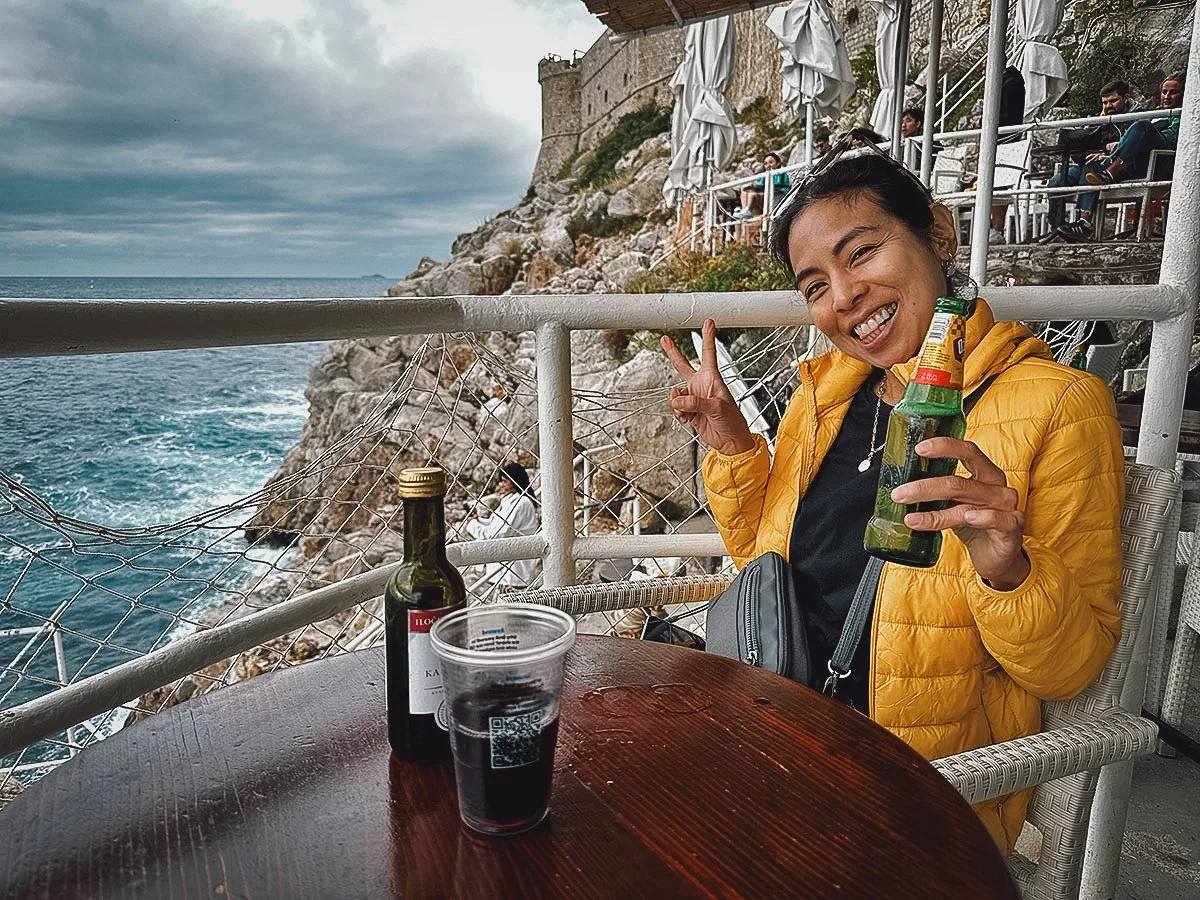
x,y
872,449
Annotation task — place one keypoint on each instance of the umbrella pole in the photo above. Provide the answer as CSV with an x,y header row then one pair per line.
x,y
808,133
981,221
902,41
934,66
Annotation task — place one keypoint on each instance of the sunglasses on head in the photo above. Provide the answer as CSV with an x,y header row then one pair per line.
x,y
843,148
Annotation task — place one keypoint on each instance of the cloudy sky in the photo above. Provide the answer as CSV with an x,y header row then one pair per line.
x,y
264,137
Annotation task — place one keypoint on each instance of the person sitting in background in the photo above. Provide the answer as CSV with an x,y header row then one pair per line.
x,y
1093,141
912,125
752,196
820,143
1012,112
514,517
1131,157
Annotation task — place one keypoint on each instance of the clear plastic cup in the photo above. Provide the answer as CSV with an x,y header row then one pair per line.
x,y
502,670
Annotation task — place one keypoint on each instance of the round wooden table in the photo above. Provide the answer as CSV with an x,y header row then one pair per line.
x,y
677,773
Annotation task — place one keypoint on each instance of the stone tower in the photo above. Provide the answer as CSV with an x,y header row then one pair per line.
x,y
560,82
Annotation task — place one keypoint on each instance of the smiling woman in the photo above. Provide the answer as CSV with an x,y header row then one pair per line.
x,y
1022,604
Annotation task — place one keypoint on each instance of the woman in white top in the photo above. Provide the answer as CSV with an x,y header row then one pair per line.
x,y
516,515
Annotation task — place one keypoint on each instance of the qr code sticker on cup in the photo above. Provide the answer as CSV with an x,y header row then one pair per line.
x,y
515,739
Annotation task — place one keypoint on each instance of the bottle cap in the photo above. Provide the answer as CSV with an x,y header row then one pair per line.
x,y
422,483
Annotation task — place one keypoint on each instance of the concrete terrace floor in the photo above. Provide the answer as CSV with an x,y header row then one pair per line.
x,y
1160,859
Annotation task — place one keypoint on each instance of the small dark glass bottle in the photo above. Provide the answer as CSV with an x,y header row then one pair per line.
x,y
424,588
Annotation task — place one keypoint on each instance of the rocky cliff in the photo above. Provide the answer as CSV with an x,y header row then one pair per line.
x,y
380,404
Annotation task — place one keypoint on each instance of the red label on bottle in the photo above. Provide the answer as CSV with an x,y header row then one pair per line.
x,y
938,377
421,620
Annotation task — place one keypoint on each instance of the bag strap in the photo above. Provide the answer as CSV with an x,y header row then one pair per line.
x,y
864,595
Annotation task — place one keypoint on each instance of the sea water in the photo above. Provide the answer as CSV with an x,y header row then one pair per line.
x,y
131,441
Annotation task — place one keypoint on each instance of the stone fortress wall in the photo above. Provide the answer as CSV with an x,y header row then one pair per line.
x,y
583,98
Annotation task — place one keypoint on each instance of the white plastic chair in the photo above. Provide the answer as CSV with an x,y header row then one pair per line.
x,y
1137,193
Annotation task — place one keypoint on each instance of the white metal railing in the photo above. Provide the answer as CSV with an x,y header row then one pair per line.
x,y
97,326
912,157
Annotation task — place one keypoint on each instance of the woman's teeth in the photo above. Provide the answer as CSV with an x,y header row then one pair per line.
x,y
867,331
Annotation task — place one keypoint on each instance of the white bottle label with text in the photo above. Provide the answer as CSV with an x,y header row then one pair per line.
x,y
425,694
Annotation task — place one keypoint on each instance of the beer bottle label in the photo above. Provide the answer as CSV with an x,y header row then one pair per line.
x,y
425,694
941,361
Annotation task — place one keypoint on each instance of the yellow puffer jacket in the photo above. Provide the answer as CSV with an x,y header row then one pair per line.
x,y
954,664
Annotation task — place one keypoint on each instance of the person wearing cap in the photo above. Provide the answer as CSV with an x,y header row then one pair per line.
x,y
515,516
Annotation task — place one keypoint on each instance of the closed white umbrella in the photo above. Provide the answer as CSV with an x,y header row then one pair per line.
x,y
814,61
887,39
814,64
703,135
1041,63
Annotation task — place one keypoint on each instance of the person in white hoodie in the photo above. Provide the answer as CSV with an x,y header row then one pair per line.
x,y
515,516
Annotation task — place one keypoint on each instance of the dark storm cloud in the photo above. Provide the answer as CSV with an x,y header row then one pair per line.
x,y
153,137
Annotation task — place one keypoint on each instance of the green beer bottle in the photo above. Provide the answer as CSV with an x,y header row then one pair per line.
x,y
424,588
931,407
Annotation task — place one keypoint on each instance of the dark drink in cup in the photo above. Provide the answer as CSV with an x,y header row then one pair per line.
x,y
503,739
503,667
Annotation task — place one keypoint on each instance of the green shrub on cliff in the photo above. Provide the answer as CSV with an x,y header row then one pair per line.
x,y
600,224
737,268
630,131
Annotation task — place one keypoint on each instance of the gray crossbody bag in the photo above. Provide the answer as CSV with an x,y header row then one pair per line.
x,y
758,619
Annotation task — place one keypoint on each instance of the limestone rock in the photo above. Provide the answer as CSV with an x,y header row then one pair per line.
x,y
644,195
625,266
410,287
423,266
556,242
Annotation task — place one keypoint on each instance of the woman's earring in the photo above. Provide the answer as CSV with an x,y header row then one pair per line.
x,y
960,283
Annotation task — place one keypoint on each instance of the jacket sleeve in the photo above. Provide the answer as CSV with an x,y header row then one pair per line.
x,y
514,517
736,487
1055,632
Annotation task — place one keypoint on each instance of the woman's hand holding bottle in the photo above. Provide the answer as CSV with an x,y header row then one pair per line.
x,y
703,401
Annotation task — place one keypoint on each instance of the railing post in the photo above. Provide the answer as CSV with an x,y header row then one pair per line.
x,y
901,76
60,658
936,14
555,453
993,74
1170,347
585,491
809,124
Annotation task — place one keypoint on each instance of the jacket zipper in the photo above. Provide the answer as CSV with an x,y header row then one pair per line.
x,y
750,618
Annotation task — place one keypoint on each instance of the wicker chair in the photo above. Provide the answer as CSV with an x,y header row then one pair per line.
x,y
1081,735
1085,733
1187,628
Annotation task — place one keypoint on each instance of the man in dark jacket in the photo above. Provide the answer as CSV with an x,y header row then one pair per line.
x,y
1091,142
1131,157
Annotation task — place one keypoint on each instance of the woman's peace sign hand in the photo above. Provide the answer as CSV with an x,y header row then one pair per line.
x,y
703,401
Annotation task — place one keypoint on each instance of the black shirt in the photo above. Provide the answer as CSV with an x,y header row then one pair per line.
x,y
826,552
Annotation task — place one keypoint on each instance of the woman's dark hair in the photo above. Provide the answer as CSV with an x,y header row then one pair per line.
x,y
870,174
771,154
515,472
